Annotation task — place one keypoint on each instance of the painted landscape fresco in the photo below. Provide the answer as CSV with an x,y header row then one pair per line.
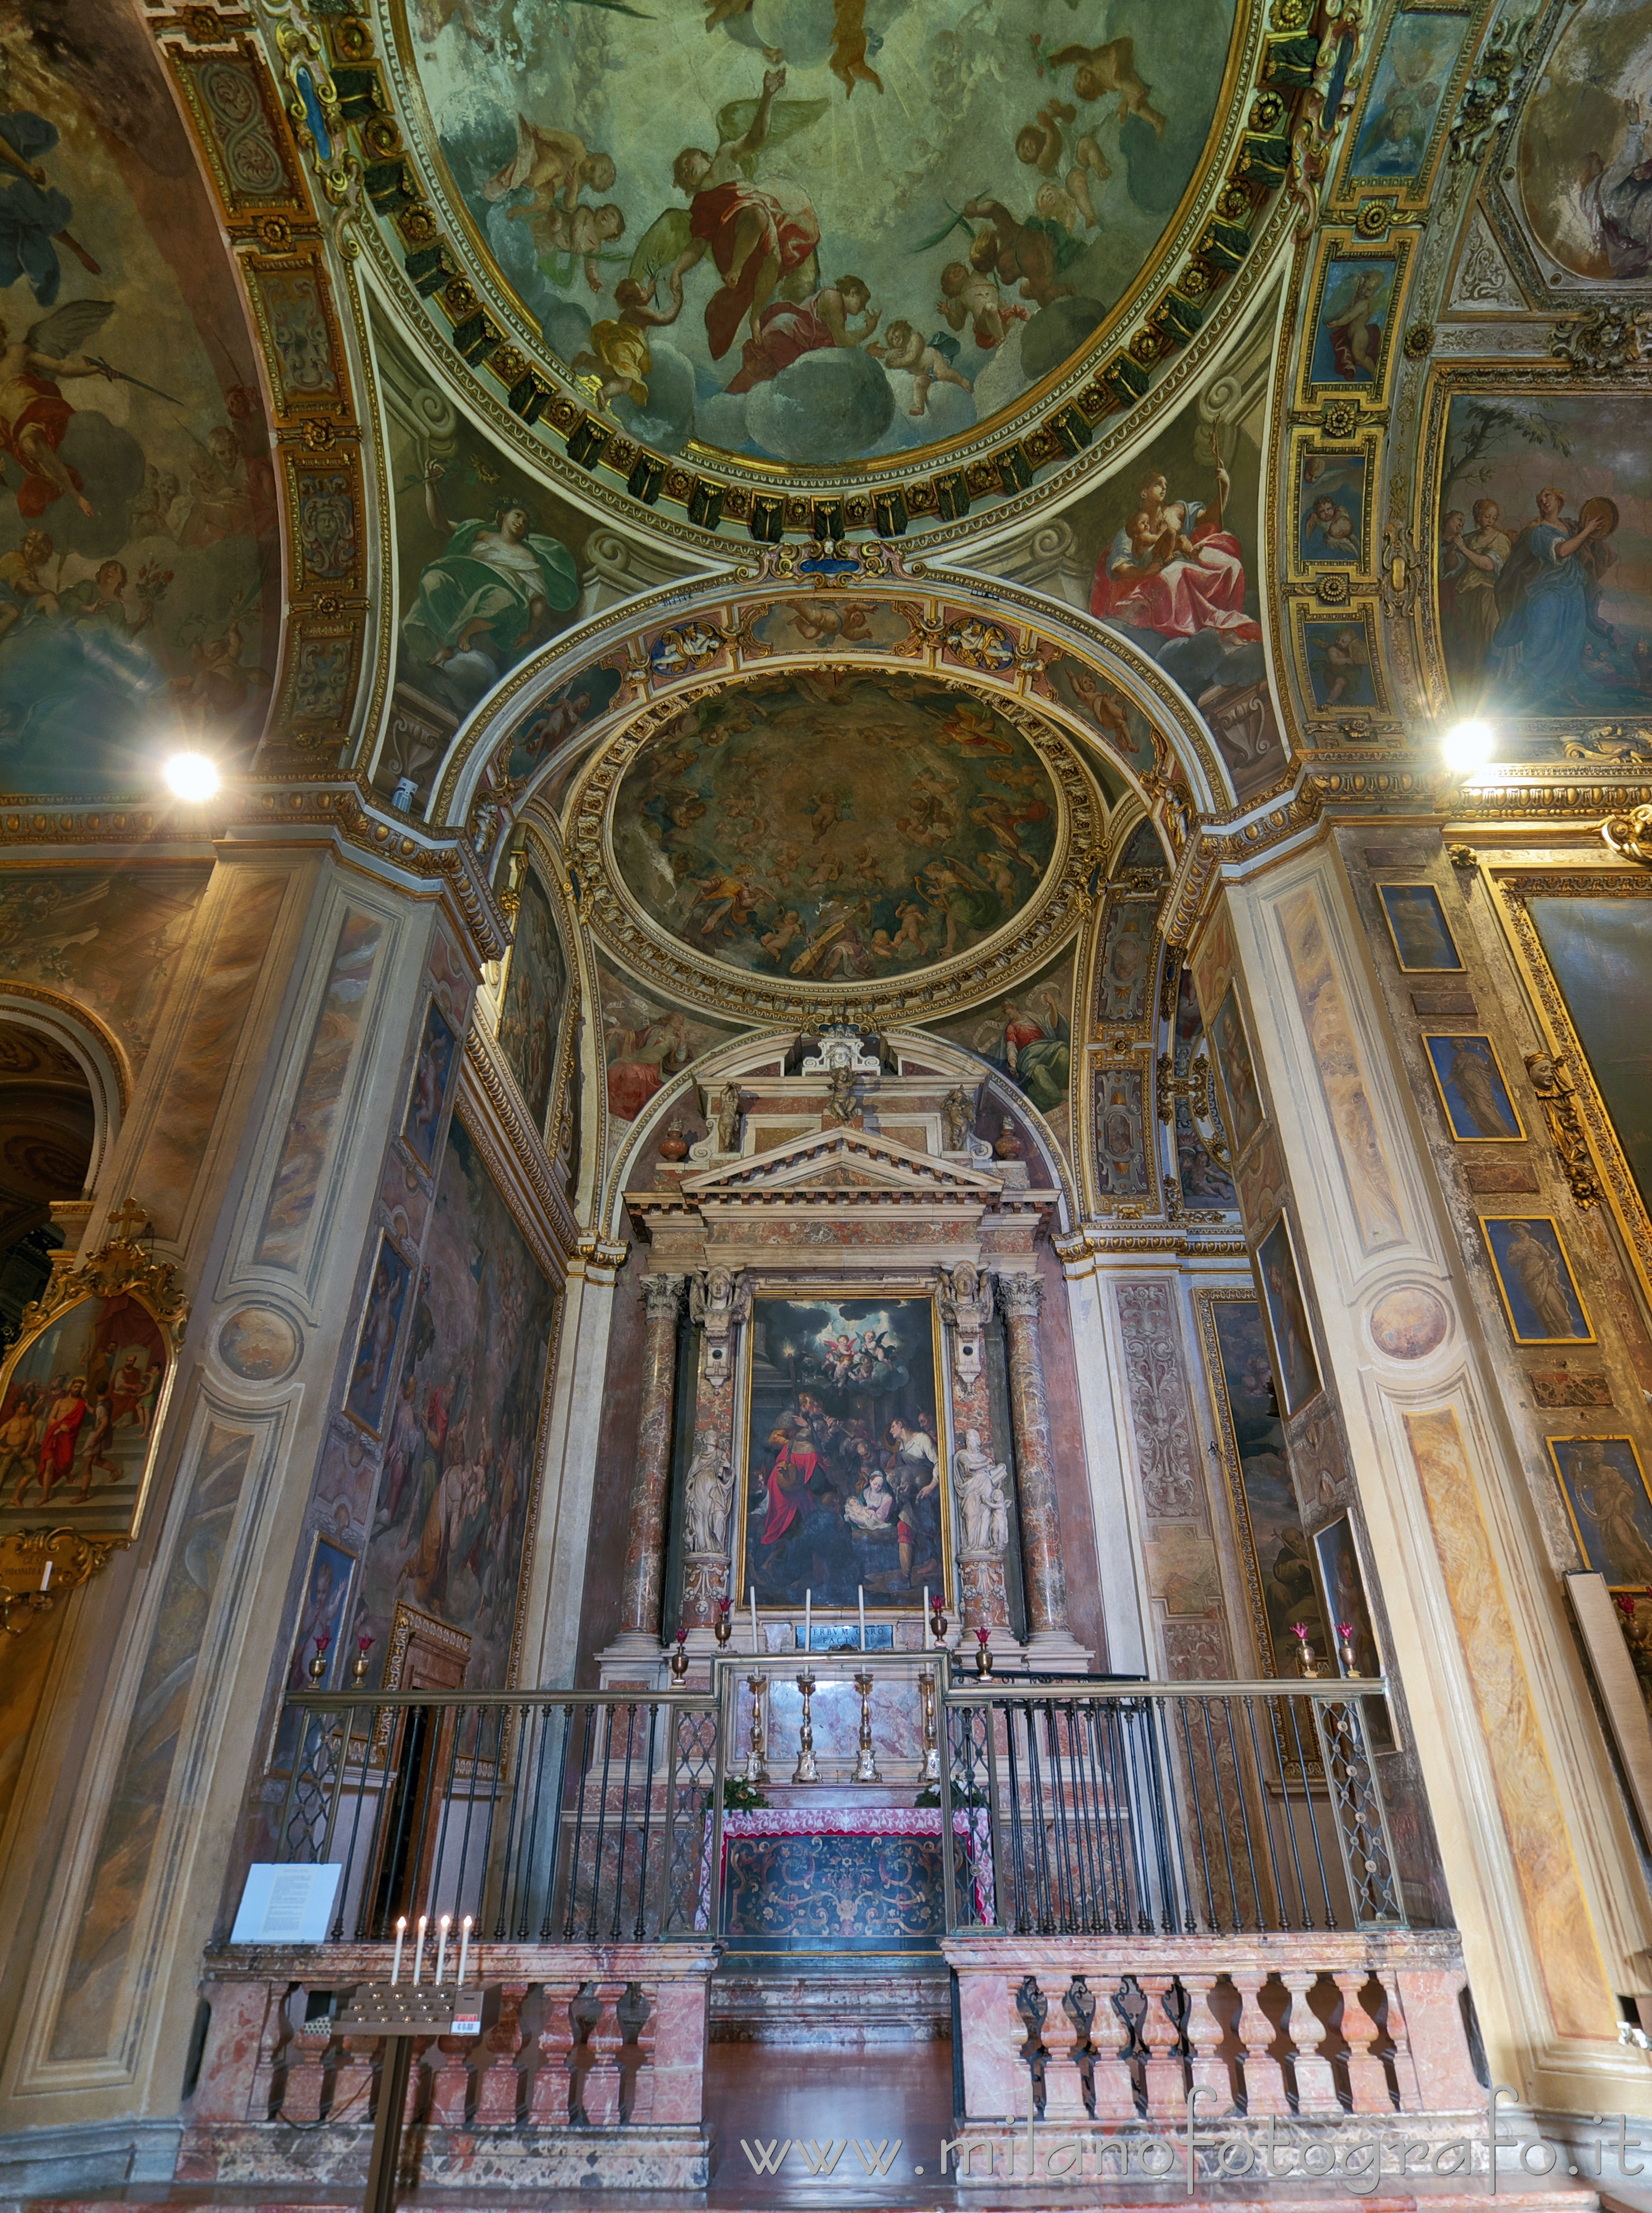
x,y
837,828
137,523
819,229
450,1521
1544,554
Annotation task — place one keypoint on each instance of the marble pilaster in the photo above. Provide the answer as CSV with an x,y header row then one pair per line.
x,y
966,1308
721,1303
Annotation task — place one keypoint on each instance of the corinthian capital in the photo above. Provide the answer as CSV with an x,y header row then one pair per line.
x,y
662,1296
1019,1297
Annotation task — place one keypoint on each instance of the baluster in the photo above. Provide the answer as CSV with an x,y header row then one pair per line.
x,y
450,2078
1261,2047
1166,2076
1367,2078
305,2081
352,2077
1115,2082
1063,2088
602,2079
274,2053
497,2079
1316,2086
548,2100
1206,2032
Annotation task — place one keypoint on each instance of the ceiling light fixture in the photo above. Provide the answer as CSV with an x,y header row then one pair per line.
x,y
193,777
1469,747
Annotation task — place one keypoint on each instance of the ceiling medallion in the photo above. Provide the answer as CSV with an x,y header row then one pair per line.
x,y
834,842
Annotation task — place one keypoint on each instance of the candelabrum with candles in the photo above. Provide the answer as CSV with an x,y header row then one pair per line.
x,y
931,1747
866,1763
806,1769
757,1769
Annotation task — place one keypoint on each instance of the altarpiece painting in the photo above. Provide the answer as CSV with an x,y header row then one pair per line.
x,y
845,1466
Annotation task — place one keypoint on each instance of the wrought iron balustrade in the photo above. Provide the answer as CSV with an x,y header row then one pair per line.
x,y
550,1817
1167,1808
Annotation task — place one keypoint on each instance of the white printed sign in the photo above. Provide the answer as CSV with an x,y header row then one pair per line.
x,y
286,1904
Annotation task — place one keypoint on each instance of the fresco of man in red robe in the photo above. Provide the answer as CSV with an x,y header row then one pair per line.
x,y
757,234
795,1463
59,1438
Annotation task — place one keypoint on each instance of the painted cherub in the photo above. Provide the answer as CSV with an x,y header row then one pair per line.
x,y
554,166
1041,146
580,237
1344,657
619,351
1152,548
1355,332
1110,68
972,295
903,347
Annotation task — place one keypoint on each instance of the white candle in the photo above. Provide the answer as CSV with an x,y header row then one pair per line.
x,y
418,1950
45,1577
751,1593
860,1594
464,1947
926,1617
401,1931
441,1947
809,1621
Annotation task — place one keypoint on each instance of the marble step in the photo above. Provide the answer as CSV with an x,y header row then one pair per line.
x,y
830,2012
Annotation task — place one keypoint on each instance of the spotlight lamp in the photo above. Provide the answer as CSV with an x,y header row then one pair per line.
x,y
1469,747
193,777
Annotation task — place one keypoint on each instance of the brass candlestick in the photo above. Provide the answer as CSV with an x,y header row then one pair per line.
x,y
866,1764
757,1769
931,1748
806,1771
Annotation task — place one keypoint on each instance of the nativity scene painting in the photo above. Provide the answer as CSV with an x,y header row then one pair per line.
x,y
820,231
138,520
845,1467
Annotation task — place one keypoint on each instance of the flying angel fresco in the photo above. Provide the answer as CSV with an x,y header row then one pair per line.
x,y
763,238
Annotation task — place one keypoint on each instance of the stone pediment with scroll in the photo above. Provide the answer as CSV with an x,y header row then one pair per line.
x,y
842,1162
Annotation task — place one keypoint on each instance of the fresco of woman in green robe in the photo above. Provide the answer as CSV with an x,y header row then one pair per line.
x,y
485,602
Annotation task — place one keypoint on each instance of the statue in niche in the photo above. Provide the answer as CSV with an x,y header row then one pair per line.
x,y
957,1119
729,1118
708,1500
983,1496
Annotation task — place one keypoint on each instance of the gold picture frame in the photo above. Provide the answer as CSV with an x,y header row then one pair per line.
x,y
791,1376
1637,1504
1414,968
1443,1085
1346,263
1533,1303
85,1391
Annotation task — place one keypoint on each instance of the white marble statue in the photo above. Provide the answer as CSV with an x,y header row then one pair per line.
x,y
708,1495
983,1496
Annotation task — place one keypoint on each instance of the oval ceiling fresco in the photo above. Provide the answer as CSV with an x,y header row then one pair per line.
x,y
837,828
817,231
1584,152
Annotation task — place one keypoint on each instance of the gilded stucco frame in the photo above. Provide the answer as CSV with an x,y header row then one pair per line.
x,y
1513,887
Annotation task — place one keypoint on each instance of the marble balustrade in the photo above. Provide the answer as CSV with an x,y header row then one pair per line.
x,y
593,2075
1312,2025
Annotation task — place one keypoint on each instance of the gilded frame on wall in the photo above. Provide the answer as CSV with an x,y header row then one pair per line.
x,y
1390,258
1581,1103
1315,446
1414,192
81,1383
1527,1223
1317,616
796,1371
1628,1514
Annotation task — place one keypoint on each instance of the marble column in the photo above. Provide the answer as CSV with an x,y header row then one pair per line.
x,y
966,1308
1019,1298
645,1555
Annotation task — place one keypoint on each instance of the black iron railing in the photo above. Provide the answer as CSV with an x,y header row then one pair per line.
x,y
1069,1807
564,1817
1167,1809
